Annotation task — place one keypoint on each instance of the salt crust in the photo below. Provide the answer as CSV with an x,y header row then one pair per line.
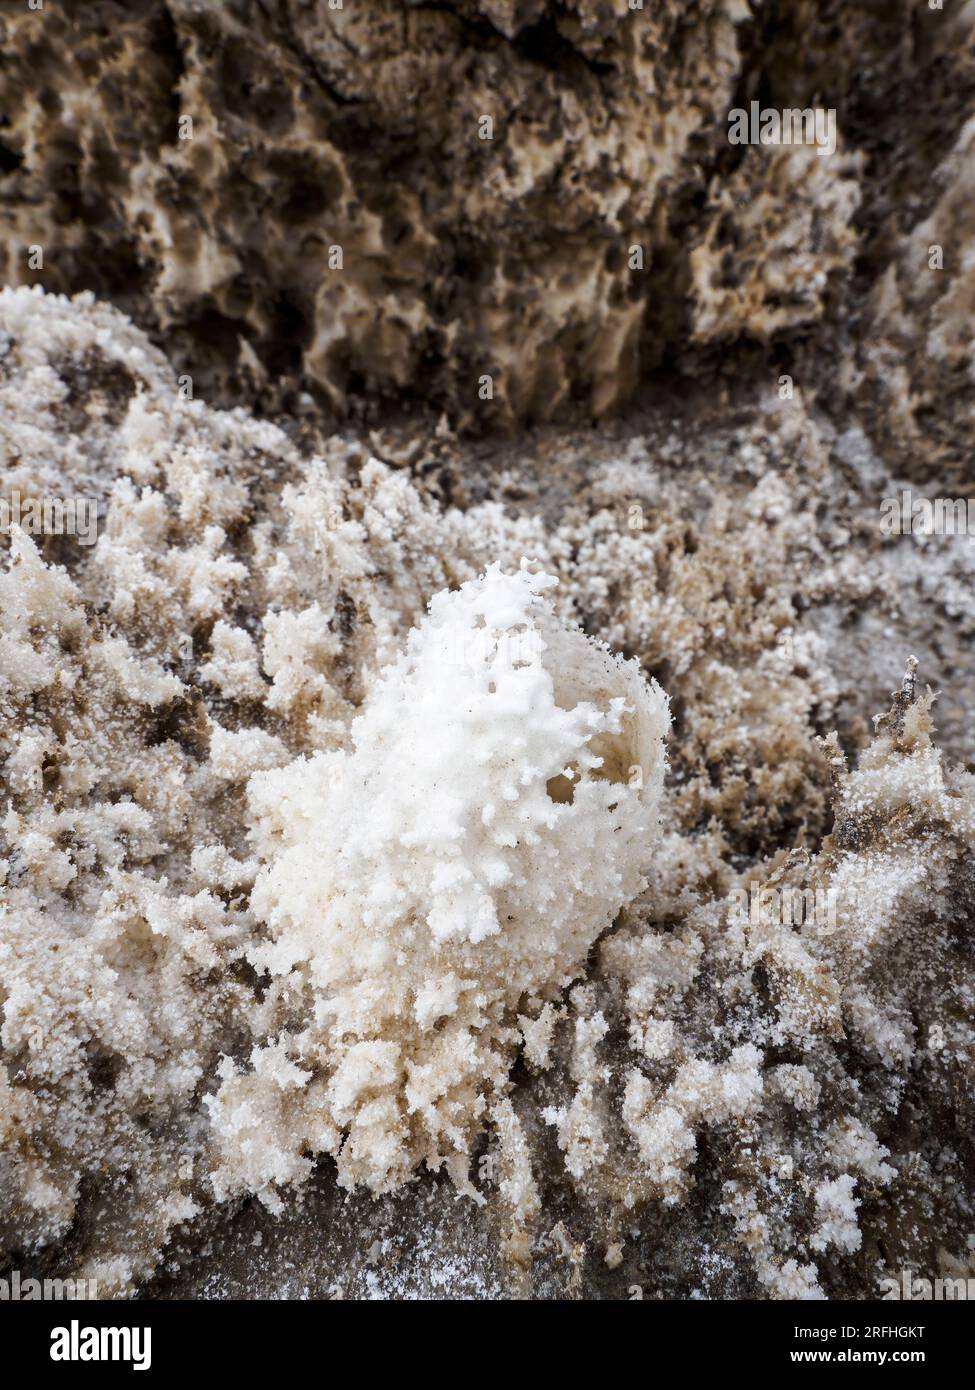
x,y
238,613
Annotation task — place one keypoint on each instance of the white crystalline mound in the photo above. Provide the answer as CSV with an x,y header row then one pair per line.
x,y
453,869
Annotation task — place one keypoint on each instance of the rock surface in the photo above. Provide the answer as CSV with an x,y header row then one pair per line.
x,y
207,166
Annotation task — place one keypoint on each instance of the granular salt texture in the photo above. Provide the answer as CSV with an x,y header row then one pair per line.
x,y
493,814
801,1147
711,1076
114,996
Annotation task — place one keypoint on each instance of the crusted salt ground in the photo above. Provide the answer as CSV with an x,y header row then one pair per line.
x,y
251,913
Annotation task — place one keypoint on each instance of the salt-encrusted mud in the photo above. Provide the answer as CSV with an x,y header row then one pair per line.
x,y
262,967
722,1101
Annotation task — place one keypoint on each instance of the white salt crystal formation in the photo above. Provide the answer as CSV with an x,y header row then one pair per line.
x,y
743,1093
454,869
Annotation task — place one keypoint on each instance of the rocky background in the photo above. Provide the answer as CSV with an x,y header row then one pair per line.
x,y
295,206
202,166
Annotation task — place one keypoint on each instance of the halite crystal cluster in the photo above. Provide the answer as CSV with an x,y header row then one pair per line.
x,y
452,869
